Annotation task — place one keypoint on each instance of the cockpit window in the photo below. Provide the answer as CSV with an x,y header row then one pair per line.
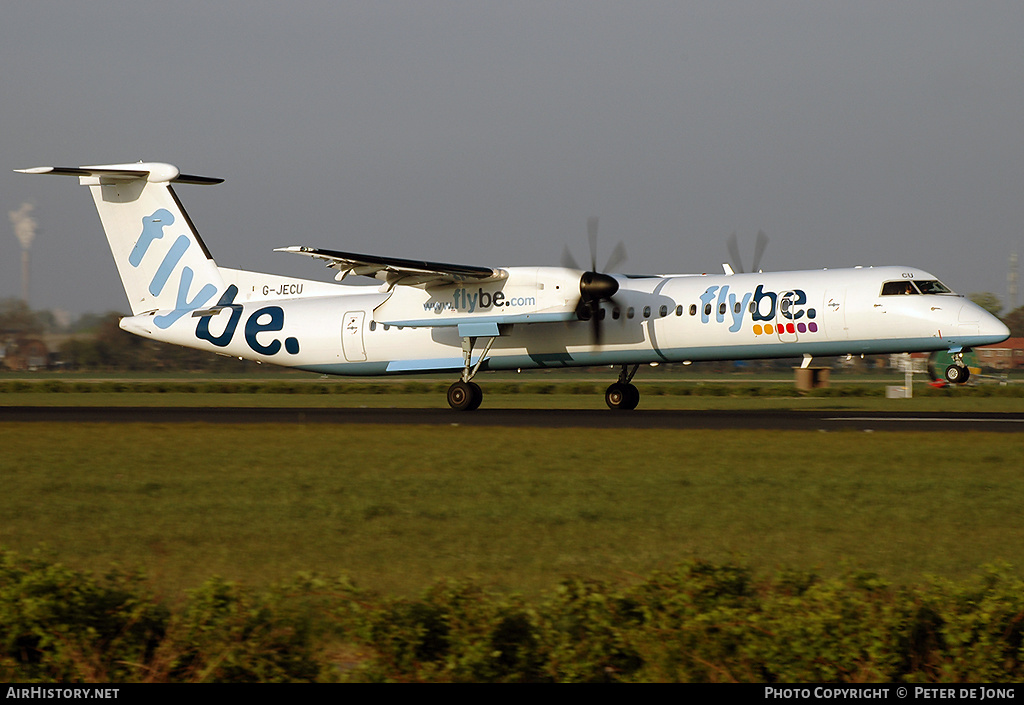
x,y
932,286
904,286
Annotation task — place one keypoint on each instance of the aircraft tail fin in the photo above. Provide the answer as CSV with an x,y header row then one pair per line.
x,y
163,262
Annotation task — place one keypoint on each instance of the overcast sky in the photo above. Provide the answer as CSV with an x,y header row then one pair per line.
x,y
485,133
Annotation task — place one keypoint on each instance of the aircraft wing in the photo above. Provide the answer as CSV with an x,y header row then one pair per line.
x,y
395,271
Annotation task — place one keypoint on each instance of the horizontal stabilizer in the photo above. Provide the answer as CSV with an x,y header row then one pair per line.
x,y
152,172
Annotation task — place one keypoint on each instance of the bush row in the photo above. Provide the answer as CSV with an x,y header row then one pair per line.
x,y
739,389
699,623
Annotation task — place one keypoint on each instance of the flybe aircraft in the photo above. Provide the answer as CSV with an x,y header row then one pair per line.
x,y
439,317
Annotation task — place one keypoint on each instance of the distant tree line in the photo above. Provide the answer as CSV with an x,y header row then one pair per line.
x,y
96,342
110,348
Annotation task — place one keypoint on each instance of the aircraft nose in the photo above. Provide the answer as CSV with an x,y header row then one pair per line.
x,y
988,326
995,328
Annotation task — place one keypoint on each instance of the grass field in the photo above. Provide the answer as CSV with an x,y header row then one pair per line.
x,y
396,508
513,401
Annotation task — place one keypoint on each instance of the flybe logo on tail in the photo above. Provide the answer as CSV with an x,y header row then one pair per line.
x,y
268,319
153,229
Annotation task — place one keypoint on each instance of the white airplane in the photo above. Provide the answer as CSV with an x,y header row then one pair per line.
x,y
438,317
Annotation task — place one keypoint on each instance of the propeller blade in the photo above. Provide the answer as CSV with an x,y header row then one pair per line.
x,y
592,236
617,259
568,261
595,287
734,253
762,242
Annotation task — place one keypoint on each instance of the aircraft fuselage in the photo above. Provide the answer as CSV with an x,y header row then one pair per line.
x,y
360,331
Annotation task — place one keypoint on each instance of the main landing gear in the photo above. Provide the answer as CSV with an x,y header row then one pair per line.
x,y
466,395
622,395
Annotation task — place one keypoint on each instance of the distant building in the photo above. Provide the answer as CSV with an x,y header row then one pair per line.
x,y
21,353
1007,355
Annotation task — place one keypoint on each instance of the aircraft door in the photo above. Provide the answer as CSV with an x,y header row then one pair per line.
x,y
352,336
785,325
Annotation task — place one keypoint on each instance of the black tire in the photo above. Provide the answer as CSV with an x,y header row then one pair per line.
x,y
955,374
634,396
622,397
465,396
478,396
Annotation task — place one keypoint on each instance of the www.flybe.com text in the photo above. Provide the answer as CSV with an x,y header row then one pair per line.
x,y
479,300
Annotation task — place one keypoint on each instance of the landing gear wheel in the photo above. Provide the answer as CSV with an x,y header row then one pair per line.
x,y
955,374
478,395
622,396
465,396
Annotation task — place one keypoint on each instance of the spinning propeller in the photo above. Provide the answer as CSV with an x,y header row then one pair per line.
x,y
734,252
595,287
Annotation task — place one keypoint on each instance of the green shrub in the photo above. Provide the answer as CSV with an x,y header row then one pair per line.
x,y
57,624
701,622
456,632
980,629
227,634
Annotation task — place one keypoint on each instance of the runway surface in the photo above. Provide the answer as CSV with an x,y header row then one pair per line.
x,y
770,419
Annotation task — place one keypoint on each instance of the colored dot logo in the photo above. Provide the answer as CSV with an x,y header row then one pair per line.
x,y
784,328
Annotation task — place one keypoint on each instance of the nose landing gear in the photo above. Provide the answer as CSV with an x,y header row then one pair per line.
x,y
958,372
